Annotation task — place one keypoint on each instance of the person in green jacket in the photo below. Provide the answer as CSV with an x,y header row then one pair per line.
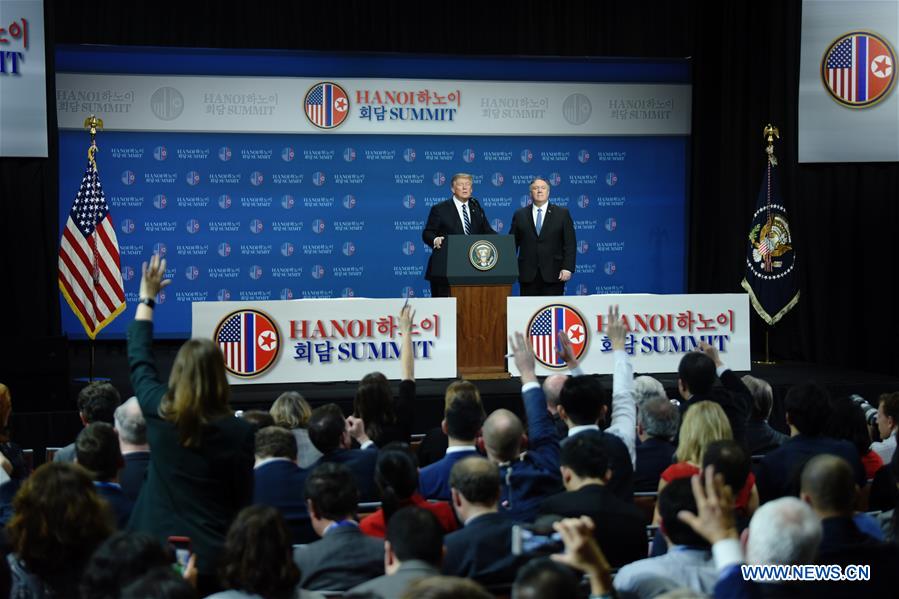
x,y
201,461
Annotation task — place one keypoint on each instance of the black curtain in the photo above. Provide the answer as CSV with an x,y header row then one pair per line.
x,y
745,60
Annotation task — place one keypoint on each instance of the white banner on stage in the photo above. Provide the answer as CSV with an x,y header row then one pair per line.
x,y
219,104
320,340
662,328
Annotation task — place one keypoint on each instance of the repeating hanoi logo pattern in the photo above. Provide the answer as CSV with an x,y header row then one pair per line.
x,y
263,217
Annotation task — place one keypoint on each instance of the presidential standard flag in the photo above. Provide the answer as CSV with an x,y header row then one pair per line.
x,y
770,258
90,275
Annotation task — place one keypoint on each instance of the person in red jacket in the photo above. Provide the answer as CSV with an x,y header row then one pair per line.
x,y
396,475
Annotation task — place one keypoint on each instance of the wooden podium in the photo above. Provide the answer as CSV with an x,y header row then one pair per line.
x,y
480,271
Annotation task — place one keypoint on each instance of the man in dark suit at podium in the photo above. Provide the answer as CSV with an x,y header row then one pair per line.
x,y
544,238
459,215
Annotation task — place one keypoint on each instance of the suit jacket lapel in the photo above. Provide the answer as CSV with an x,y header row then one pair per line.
x,y
461,226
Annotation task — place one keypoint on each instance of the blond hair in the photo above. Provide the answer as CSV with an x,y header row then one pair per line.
x,y
461,176
291,410
703,423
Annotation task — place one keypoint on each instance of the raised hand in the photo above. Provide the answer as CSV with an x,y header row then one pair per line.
x,y
711,352
714,520
616,331
524,357
583,553
152,274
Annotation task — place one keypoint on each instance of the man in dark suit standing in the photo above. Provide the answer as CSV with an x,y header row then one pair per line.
x,y
544,238
459,215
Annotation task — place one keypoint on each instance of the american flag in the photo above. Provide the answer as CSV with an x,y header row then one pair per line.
x,y
544,330
90,275
248,341
326,105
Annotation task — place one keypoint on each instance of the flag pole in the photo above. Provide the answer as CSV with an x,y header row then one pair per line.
x,y
92,124
768,134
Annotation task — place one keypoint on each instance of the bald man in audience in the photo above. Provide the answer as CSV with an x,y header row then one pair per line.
x,y
529,477
552,388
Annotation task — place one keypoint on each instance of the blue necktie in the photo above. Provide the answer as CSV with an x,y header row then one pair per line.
x,y
539,220
466,222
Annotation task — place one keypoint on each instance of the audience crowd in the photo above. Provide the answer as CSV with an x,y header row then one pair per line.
x,y
170,494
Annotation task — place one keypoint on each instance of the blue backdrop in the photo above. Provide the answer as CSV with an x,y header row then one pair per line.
x,y
260,216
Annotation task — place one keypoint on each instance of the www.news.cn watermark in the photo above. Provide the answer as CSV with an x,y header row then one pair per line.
x,y
806,573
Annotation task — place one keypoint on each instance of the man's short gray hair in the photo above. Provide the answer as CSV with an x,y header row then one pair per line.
x,y
785,532
659,418
646,388
130,423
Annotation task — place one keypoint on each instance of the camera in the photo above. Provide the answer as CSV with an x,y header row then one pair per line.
x,y
869,411
533,540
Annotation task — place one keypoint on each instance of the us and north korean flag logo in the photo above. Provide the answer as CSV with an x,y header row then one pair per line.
x,y
858,69
543,333
249,340
327,105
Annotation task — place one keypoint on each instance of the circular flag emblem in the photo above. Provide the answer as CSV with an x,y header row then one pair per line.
x,y
327,105
858,69
543,333
249,341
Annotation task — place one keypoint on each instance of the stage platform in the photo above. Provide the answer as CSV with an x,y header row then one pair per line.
x,y
45,410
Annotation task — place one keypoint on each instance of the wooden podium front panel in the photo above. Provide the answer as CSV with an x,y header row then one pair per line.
x,y
481,330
